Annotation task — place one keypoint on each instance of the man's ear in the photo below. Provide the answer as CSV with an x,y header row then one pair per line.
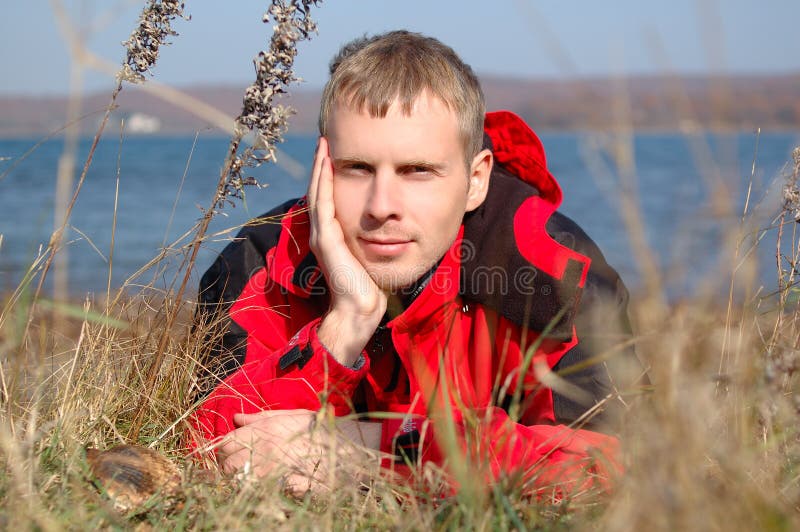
x,y
479,174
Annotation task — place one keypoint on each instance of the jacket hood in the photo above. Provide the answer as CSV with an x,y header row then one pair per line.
x,y
517,148
511,263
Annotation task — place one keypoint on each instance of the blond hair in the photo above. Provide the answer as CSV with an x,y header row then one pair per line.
x,y
371,73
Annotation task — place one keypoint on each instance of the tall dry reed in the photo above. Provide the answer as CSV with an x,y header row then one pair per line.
x,y
267,121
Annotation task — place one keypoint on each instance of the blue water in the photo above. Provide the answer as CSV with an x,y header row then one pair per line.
x,y
673,181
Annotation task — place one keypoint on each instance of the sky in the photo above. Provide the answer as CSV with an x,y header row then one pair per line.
x,y
518,38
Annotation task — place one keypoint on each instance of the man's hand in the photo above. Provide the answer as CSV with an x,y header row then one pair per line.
x,y
357,304
267,439
302,444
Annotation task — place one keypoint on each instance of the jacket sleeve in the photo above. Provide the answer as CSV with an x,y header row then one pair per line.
x,y
260,355
286,373
220,287
603,363
543,460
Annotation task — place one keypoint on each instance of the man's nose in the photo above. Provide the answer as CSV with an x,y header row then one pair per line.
x,y
384,198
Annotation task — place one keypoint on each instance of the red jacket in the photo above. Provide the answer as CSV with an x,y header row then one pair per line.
x,y
449,365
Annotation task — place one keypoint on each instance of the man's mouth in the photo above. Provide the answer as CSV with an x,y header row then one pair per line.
x,y
385,247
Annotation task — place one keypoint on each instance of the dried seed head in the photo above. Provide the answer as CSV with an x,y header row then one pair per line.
x,y
274,72
155,26
791,189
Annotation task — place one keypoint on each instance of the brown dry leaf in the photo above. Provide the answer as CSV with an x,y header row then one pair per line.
x,y
131,475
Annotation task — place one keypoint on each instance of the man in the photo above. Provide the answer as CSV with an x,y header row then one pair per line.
x,y
420,277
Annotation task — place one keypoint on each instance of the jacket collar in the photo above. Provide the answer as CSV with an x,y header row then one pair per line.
x,y
292,265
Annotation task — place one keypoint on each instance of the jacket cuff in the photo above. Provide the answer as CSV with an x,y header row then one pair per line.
x,y
308,359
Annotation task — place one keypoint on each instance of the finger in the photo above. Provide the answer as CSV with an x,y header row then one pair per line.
x,y
230,445
240,420
244,459
260,461
230,464
244,447
298,485
313,183
234,441
324,201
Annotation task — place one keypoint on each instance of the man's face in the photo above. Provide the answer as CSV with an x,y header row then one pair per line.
x,y
401,187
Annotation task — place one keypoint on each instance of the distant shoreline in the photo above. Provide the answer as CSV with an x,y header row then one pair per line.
x,y
647,103
216,134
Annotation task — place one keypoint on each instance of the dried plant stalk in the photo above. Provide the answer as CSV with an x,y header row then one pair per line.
x,y
155,26
260,115
143,46
268,122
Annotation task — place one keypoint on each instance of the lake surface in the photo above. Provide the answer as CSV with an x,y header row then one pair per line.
x,y
678,182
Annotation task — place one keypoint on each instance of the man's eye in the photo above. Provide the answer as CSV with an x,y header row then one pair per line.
x,y
418,170
356,168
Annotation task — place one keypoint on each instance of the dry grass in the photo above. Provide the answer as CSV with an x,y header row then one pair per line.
x,y
713,446
85,395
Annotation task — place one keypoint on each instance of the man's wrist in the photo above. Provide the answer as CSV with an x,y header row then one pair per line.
x,y
364,433
370,433
345,335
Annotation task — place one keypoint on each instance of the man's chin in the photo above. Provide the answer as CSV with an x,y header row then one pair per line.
x,y
392,280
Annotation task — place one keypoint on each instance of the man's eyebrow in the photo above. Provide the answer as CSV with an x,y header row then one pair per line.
x,y
338,161
434,166
421,162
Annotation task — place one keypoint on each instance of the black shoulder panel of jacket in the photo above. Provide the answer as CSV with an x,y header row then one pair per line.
x,y
604,362
221,285
495,274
